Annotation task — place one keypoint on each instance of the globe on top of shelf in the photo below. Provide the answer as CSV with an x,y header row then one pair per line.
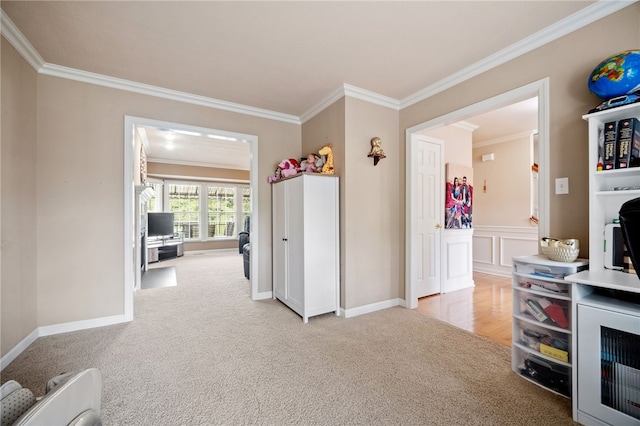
x,y
617,75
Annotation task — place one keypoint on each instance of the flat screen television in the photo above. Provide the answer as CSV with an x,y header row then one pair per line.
x,y
159,224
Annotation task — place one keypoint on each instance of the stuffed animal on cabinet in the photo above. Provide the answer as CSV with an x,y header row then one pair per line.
x,y
277,175
289,167
327,168
311,164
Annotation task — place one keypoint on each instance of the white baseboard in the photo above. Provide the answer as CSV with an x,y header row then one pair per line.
x,y
477,267
18,349
81,325
366,309
57,329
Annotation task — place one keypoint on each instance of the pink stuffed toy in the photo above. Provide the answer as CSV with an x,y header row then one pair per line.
x,y
276,176
289,167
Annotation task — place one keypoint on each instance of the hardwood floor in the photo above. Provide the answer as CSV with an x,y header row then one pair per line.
x,y
484,309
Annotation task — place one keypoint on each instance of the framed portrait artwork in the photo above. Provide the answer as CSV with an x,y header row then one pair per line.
x,y
458,197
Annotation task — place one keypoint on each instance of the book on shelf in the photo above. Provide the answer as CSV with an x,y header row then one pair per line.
x,y
534,308
609,149
554,311
628,143
554,352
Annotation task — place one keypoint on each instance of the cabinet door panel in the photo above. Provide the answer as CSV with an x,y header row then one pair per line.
x,y
295,241
279,243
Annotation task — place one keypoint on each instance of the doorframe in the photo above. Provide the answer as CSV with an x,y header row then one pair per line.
x,y
538,88
129,194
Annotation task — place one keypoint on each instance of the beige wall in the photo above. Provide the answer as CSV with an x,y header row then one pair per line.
x,y
372,270
168,171
567,62
507,201
81,152
18,156
369,209
79,174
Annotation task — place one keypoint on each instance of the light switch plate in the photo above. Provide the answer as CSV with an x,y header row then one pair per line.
x,y
562,185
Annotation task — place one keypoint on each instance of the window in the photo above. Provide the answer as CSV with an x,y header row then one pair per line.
x,y
184,202
221,210
203,211
246,207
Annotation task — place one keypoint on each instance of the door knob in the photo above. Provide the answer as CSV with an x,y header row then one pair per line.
x,y
284,239
438,226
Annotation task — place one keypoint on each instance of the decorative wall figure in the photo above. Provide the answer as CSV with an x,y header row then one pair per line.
x,y
459,197
376,150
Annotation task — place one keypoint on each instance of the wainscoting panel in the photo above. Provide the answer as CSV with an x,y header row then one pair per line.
x,y
494,247
457,268
483,249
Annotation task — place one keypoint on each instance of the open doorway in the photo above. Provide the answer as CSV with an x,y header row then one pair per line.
x,y
537,89
133,176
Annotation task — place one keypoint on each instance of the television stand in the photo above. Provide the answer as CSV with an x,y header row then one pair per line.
x,y
164,249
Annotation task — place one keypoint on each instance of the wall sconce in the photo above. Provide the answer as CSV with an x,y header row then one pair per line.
x,y
488,157
376,150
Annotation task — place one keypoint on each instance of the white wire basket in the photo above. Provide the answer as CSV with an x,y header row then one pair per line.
x,y
561,254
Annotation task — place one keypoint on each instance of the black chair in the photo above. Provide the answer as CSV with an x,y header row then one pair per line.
x,y
243,236
246,258
630,225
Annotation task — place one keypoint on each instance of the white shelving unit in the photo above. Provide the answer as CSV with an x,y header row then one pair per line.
x,y
599,292
605,202
542,343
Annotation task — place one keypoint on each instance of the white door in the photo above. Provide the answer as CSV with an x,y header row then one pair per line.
x,y
295,241
427,210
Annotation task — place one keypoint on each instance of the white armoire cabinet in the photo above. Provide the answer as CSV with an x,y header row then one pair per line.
x,y
306,244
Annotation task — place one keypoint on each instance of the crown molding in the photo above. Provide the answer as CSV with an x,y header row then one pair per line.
x,y
371,97
19,42
322,105
584,17
353,92
160,92
465,125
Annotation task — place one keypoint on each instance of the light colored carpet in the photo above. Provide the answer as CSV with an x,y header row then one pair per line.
x,y
204,353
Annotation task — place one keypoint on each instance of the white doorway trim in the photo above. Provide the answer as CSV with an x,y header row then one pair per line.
x,y
129,272
538,88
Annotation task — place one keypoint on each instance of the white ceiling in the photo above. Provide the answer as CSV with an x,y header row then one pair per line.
x,y
289,56
205,150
